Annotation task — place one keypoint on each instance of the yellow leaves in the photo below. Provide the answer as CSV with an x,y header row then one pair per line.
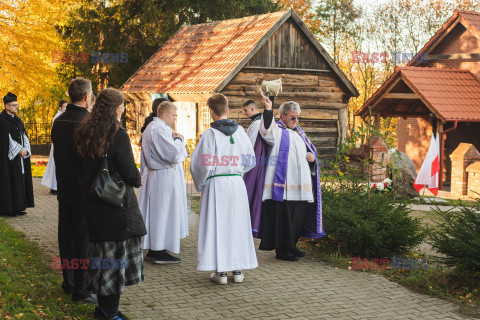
x,y
305,9
27,38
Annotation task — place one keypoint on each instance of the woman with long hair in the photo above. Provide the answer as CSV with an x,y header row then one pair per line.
x,y
115,249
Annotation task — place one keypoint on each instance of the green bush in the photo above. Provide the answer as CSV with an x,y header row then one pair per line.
x,y
362,223
458,238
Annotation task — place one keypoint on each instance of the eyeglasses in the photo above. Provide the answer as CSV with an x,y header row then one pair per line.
x,y
293,118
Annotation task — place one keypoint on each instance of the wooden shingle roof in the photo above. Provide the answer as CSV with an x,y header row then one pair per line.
x,y
202,59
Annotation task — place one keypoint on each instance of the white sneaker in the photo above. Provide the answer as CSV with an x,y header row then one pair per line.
x,y
238,276
219,277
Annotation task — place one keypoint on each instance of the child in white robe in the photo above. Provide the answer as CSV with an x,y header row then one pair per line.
x,y
223,154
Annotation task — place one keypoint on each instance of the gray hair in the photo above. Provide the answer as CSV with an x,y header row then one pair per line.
x,y
78,88
289,106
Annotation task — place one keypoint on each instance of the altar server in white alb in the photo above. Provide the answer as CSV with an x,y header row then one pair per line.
x,y
222,156
49,178
163,200
250,111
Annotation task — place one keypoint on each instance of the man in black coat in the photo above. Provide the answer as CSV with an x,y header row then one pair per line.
x,y
72,227
16,188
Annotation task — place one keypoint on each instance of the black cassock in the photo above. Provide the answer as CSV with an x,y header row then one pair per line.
x,y
16,189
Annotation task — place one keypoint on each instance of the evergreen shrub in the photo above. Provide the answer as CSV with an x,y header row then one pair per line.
x,y
366,224
458,238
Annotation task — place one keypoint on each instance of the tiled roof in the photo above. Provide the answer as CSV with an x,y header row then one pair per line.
x,y
471,19
198,58
451,94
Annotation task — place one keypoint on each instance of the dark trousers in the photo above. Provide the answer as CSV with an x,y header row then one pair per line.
x,y
73,243
282,224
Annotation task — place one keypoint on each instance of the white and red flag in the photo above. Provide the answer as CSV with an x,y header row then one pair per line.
x,y
429,172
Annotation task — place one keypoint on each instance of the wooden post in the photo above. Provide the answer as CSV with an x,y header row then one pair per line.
x,y
198,108
197,128
442,137
343,124
376,122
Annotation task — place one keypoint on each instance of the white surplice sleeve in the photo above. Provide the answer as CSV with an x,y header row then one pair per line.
x,y
268,134
14,148
253,130
200,166
26,146
248,150
166,148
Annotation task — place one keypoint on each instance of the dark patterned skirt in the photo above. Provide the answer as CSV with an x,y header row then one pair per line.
x,y
114,265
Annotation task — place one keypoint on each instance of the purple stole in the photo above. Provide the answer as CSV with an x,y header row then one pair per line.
x,y
313,227
254,181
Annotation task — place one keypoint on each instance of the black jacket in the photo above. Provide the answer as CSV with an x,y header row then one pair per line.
x,y
105,221
68,163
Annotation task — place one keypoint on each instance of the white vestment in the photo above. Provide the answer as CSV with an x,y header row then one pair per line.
x,y
49,178
163,199
299,176
252,131
225,241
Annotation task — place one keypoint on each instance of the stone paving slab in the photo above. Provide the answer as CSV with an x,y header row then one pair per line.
x,y
306,289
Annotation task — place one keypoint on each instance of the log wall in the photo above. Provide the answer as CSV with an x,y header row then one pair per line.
x,y
319,95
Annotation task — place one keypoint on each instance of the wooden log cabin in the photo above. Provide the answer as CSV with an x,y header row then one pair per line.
x,y
440,94
228,57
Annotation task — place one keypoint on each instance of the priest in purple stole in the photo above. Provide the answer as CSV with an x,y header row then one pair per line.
x,y
291,195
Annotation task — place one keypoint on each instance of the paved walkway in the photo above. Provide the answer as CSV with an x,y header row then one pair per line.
x,y
276,290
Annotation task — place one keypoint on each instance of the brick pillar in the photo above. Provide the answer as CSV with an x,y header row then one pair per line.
x,y
380,157
473,182
462,157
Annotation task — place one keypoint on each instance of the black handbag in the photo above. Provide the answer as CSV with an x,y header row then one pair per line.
x,y
108,187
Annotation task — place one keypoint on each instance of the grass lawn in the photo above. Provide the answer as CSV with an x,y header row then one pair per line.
x,y
29,287
194,202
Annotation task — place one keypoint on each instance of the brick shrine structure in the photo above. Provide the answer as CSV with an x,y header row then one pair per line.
x,y
441,95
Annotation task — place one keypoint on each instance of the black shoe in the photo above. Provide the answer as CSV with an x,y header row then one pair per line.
x,y
67,289
150,255
53,191
287,256
91,298
297,252
99,314
166,258
17,213
153,255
